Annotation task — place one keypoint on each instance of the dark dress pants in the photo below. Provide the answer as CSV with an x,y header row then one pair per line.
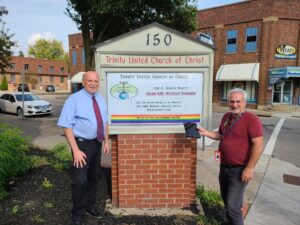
x,y
84,179
232,192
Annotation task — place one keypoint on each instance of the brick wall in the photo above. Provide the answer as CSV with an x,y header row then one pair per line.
x,y
76,44
153,171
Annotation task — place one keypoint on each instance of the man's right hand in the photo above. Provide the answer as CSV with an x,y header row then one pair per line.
x,y
79,159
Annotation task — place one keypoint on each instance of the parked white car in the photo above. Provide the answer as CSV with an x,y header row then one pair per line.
x,y
11,102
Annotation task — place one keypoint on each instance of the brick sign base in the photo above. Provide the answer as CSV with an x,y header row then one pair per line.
x,y
153,171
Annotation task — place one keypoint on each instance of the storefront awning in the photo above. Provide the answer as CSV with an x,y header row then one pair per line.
x,y
77,78
238,72
285,72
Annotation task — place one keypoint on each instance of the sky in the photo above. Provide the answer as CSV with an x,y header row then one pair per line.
x,y
30,20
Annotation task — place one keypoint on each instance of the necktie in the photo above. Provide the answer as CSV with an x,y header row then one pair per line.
x,y
100,132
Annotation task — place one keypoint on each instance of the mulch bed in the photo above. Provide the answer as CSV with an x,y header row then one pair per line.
x,y
36,204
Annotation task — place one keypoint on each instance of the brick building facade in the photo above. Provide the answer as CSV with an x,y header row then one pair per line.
x,y
257,46
76,53
37,73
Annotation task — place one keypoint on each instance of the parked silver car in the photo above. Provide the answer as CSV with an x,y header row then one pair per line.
x,y
11,102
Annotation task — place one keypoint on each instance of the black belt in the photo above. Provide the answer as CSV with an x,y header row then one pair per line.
x,y
228,165
85,140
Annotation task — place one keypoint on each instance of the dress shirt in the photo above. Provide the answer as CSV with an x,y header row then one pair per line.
x,y
78,114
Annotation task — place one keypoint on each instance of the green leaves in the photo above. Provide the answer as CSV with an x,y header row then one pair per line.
x,y
47,49
4,84
6,42
13,161
61,157
209,197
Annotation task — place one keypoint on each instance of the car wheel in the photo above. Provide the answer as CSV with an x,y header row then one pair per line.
x,y
20,112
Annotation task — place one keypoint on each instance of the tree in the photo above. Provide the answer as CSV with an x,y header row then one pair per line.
x,y
21,54
4,85
47,49
6,42
107,19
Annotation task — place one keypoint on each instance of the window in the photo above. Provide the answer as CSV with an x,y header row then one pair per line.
x,y
231,45
251,39
40,68
12,66
62,69
51,79
74,57
26,66
51,69
83,57
13,78
62,79
40,79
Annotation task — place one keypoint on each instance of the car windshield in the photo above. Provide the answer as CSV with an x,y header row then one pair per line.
x,y
27,97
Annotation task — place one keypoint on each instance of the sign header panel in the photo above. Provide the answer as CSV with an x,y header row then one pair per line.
x,y
154,98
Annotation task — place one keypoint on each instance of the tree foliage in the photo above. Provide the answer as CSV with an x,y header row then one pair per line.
x,y
47,49
109,18
6,42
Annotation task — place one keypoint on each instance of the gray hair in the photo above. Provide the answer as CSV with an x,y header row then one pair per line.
x,y
237,90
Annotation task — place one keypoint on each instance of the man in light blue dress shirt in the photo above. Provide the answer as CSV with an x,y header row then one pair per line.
x,y
80,127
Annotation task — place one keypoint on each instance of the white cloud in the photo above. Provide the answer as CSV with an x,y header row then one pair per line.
x,y
34,37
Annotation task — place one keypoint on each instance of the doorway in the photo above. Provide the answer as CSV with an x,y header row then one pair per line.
x,y
282,92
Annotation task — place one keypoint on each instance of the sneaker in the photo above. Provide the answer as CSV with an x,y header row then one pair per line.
x,y
94,213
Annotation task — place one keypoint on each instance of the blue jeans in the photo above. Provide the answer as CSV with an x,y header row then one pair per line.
x,y
84,179
232,191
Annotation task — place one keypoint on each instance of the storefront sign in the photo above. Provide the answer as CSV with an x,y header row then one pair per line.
x,y
154,98
285,52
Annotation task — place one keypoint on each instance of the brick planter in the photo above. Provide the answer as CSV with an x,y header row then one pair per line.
x,y
153,171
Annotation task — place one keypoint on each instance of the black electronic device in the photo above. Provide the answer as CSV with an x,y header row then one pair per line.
x,y
191,130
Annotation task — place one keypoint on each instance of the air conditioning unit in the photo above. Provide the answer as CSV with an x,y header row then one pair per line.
x,y
205,38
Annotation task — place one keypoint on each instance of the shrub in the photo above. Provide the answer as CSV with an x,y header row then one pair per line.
x,y
13,161
4,84
62,157
209,197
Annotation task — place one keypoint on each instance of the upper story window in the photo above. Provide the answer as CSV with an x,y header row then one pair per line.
x,y
251,39
83,57
62,69
26,66
40,68
231,42
74,57
51,69
12,66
